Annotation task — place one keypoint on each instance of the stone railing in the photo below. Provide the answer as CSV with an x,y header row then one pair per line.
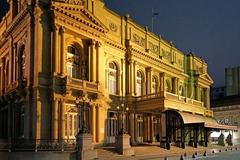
x,y
65,83
82,83
174,101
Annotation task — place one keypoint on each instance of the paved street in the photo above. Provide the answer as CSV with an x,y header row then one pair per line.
x,y
153,152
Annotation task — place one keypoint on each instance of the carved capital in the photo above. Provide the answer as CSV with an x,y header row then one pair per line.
x,y
149,69
92,42
98,44
62,30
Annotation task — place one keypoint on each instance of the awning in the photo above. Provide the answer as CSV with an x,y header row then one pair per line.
x,y
208,122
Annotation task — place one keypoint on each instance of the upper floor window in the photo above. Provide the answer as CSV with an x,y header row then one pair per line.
x,y
139,85
73,62
154,85
113,78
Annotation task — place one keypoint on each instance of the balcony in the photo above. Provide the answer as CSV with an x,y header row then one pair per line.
x,y
66,83
164,100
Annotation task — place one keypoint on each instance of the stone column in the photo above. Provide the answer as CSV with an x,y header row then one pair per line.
x,y
149,79
208,98
56,51
162,82
14,62
132,127
38,119
93,120
145,128
131,77
63,120
62,50
99,62
135,128
92,66
97,125
163,137
55,120
10,60
123,76
151,127
135,77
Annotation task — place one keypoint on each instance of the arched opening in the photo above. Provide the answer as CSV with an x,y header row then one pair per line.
x,y
174,129
113,78
73,62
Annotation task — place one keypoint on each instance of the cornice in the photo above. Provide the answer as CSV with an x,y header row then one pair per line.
x,y
116,45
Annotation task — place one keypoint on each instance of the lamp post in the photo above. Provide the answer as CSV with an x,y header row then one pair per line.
x,y
82,128
123,138
122,111
84,138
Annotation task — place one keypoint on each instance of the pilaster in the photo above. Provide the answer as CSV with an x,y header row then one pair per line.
x,y
149,80
63,120
62,50
55,120
56,51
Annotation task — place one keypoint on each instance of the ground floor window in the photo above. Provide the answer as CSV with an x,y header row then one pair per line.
x,y
71,125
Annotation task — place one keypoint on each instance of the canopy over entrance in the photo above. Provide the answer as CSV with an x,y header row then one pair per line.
x,y
208,122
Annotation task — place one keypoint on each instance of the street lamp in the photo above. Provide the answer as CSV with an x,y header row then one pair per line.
x,y
85,148
82,128
122,111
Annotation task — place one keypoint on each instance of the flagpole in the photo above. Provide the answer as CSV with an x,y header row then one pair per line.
x,y
152,18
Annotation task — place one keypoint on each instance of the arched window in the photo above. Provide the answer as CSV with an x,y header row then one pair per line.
x,y
73,62
154,85
112,78
139,83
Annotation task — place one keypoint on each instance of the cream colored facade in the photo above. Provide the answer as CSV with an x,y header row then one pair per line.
x,y
55,51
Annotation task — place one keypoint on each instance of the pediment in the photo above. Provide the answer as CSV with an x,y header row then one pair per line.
x,y
207,77
79,14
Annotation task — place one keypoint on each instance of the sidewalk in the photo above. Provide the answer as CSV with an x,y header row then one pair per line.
x,y
152,151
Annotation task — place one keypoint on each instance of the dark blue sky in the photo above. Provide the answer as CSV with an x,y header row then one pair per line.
x,y
210,28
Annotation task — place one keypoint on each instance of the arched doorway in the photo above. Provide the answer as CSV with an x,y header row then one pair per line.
x,y
174,129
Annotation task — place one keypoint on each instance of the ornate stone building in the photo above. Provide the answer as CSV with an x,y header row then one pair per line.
x,y
55,51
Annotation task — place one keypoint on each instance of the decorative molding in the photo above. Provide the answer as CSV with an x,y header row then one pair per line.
x,y
138,40
153,48
113,27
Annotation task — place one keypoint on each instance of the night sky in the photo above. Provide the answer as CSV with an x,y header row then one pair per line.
x,y
209,28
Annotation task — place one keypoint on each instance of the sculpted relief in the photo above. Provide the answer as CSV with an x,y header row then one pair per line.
x,y
153,48
138,40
